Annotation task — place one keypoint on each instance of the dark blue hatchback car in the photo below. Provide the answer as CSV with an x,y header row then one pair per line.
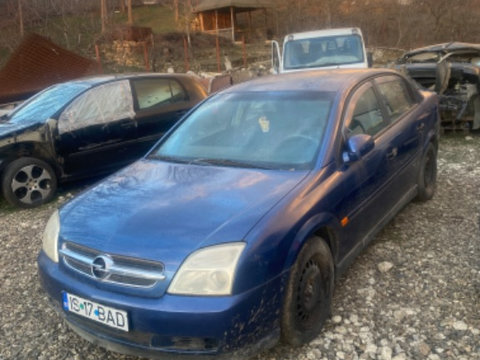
x,y
229,234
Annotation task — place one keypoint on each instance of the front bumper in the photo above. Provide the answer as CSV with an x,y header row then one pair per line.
x,y
238,325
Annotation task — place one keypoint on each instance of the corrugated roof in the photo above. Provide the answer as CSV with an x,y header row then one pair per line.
x,y
205,5
38,63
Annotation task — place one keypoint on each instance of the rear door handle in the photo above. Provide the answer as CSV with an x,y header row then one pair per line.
x,y
421,126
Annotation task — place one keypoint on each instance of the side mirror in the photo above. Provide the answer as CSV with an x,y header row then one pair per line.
x,y
276,57
357,146
52,123
370,59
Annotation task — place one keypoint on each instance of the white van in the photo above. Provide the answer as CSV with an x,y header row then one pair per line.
x,y
321,49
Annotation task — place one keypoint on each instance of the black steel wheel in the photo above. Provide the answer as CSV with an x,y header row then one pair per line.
x,y
309,293
28,182
427,175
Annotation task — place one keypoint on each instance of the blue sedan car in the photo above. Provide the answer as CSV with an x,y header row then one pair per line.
x,y
229,235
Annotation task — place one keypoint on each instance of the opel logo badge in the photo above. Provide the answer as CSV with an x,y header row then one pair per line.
x,y
100,267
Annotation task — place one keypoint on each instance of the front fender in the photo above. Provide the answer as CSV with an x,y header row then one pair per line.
x,y
324,225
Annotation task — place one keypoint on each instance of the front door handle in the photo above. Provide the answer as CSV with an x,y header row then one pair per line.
x,y
392,154
180,113
421,126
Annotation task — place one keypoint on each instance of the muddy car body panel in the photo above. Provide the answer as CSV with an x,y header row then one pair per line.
x,y
453,71
87,127
219,215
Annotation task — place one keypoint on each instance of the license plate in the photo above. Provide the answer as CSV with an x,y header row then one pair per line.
x,y
106,315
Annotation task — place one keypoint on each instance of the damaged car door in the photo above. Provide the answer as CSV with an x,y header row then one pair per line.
x,y
97,129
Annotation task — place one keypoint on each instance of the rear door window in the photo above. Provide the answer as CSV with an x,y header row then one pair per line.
x,y
155,93
397,99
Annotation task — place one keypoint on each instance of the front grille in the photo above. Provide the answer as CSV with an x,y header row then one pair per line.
x,y
117,269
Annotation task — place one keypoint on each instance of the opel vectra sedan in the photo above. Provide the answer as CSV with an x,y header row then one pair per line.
x,y
229,234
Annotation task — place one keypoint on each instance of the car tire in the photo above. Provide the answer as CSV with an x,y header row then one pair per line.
x,y
427,175
308,299
28,182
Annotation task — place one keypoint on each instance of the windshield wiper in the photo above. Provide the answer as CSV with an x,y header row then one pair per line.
x,y
210,162
229,162
168,158
4,118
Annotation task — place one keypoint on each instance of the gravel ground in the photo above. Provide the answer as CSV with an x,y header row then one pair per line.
x,y
414,293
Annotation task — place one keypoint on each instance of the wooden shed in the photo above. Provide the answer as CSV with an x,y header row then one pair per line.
x,y
232,19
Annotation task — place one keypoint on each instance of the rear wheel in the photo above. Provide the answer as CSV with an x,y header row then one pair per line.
x,y
28,182
427,176
309,294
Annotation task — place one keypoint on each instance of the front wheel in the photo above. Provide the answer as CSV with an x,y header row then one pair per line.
x,y
28,182
427,175
308,298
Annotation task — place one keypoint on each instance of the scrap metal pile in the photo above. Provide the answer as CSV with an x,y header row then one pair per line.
x,y
452,70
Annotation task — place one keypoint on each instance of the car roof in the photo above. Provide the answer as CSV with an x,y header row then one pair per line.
x,y
100,79
323,33
445,48
337,80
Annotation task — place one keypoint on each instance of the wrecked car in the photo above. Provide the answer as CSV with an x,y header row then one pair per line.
x,y
229,234
452,70
87,127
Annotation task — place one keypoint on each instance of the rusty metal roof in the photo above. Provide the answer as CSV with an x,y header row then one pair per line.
x,y
38,63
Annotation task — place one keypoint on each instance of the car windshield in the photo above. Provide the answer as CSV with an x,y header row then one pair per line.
x,y
323,51
429,56
47,103
272,130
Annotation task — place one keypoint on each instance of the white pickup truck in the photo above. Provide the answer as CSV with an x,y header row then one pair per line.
x,y
321,49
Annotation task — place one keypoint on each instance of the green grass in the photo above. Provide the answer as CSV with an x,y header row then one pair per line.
x,y
159,18
6,208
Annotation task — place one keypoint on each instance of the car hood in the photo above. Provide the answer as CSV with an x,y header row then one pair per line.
x,y
163,211
8,129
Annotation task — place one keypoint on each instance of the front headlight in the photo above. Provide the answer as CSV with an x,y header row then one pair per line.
x,y
50,237
208,271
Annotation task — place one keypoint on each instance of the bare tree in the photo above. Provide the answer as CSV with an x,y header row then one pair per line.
x,y
176,10
20,18
103,14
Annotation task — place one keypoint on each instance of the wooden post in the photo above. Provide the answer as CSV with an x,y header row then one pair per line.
x,y
145,56
130,15
219,69
185,51
216,21
99,61
244,52
202,26
250,22
232,20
